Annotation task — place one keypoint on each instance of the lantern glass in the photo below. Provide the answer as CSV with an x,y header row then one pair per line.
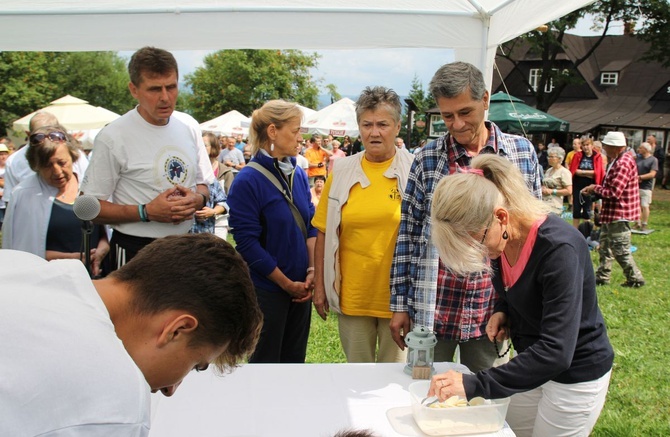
x,y
420,353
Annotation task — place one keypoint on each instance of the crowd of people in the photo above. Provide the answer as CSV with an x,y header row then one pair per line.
x,y
462,235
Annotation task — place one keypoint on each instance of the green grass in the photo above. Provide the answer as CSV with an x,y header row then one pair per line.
x,y
638,403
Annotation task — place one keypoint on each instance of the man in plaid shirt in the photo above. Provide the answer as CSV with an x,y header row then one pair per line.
x,y
456,308
621,205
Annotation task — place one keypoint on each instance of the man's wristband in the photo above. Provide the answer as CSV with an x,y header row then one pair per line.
x,y
142,209
310,269
204,199
554,192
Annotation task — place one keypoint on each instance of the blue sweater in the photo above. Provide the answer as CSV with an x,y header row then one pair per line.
x,y
263,226
556,326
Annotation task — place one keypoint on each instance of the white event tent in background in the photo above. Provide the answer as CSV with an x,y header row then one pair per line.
x,y
472,28
231,123
337,119
306,112
82,120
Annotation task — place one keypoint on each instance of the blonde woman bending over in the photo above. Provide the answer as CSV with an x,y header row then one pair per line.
x,y
486,219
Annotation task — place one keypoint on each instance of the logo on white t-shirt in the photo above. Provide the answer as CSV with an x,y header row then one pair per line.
x,y
175,170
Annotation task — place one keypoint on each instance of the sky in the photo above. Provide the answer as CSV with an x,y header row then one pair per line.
x,y
352,70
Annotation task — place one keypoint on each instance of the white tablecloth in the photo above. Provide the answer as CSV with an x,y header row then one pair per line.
x,y
291,400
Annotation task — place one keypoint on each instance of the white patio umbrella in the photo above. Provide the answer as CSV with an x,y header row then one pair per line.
x,y
338,120
80,119
76,115
231,123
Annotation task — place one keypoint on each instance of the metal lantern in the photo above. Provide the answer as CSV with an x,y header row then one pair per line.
x,y
420,353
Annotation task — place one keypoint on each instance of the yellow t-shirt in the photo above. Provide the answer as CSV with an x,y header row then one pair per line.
x,y
368,233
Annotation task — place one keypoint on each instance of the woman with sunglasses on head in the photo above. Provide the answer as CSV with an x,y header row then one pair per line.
x,y
40,217
543,275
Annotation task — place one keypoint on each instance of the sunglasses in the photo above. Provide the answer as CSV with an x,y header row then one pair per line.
x,y
57,137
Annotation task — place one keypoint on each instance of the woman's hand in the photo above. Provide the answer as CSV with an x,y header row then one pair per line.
x,y
204,213
446,385
320,301
299,291
98,254
496,328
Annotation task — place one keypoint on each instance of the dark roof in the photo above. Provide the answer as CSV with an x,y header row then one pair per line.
x,y
635,102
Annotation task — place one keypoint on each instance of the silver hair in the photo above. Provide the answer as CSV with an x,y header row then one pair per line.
x,y
451,80
558,151
372,98
646,146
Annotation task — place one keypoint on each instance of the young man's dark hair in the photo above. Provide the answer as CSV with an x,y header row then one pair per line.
x,y
205,276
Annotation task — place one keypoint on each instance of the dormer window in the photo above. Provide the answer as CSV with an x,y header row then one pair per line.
x,y
609,78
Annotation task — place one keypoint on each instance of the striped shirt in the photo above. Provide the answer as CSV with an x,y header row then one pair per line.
x,y
455,308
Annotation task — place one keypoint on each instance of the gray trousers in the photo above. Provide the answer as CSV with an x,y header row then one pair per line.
x,y
476,354
615,244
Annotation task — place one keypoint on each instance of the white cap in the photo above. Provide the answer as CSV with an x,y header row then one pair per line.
x,y
614,139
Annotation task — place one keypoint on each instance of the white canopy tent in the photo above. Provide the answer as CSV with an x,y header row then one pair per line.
x,y
231,123
337,119
473,28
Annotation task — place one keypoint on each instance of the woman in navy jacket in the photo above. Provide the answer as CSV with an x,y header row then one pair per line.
x,y
547,302
274,237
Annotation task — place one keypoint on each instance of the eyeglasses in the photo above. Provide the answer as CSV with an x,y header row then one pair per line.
x,y
37,139
486,231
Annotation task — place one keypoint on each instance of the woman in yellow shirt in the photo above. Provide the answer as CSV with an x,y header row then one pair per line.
x,y
357,221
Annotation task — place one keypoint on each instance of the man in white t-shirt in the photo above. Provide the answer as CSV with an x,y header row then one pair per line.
x,y
150,169
81,357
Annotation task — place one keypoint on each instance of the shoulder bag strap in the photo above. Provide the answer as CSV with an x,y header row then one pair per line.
x,y
272,178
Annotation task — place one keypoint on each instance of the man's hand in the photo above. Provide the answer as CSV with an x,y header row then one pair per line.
x,y
589,189
399,328
174,205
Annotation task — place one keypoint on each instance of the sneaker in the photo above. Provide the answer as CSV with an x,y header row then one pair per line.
x,y
602,282
633,284
644,227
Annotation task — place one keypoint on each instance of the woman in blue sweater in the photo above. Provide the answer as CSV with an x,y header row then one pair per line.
x,y
270,216
547,301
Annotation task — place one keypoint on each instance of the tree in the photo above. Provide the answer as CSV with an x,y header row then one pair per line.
x,y
31,80
548,45
101,78
423,101
334,94
24,85
245,79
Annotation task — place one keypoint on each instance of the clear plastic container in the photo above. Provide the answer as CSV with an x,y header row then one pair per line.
x,y
480,419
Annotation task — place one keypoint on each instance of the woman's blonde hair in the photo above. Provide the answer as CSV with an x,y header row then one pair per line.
x,y
463,205
277,112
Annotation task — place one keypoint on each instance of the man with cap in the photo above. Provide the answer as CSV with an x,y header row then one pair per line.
x,y
621,205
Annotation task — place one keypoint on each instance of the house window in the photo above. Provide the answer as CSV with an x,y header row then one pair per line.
x,y
534,79
609,78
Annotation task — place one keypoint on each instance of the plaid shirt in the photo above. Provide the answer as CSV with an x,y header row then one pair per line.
x,y
455,308
217,196
620,191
